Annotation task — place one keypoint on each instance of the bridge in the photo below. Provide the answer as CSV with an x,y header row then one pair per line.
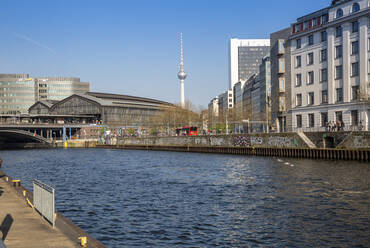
x,y
39,135
18,138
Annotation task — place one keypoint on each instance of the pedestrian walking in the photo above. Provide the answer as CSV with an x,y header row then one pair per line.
x,y
342,125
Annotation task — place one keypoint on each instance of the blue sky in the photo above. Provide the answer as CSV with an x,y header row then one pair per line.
x,y
132,47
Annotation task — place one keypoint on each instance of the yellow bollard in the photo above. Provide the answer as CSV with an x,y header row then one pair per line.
x,y
83,241
24,193
65,144
7,179
29,203
16,183
55,216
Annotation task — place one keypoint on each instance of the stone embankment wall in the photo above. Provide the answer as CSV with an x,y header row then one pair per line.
x,y
359,140
340,140
76,144
286,140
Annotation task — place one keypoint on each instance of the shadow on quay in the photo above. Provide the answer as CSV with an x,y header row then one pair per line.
x,y
6,225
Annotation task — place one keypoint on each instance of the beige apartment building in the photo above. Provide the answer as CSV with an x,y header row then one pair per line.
x,y
330,67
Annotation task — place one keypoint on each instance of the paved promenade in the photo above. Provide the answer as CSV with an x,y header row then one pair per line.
x,y
21,226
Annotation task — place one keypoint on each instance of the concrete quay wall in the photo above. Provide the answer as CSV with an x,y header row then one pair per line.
x,y
339,140
286,140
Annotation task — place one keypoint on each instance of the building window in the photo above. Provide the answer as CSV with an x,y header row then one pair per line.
x,y
323,55
311,98
299,100
355,27
281,84
310,77
310,40
354,117
323,19
339,13
324,36
323,75
338,51
311,120
354,47
324,96
298,61
298,27
230,100
299,120
324,119
338,72
355,7
305,25
281,65
298,80
314,22
339,94
355,93
338,32
339,116
298,43
354,69
310,59
281,46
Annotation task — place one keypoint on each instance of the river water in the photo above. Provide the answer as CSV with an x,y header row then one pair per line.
x,y
168,199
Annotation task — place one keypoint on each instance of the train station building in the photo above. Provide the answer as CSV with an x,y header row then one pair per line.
x,y
97,108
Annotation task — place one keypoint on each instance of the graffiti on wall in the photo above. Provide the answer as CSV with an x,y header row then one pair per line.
x,y
200,141
360,141
216,141
247,141
278,141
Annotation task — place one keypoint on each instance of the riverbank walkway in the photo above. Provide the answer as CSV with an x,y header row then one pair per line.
x,y
21,226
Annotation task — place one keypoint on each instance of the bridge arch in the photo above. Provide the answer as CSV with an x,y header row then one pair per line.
x,y
21,136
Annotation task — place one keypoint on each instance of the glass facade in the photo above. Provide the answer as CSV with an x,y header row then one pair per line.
x,y
16,95
18,92
249,60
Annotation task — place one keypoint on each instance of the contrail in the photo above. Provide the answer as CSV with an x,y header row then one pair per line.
x,y
23,37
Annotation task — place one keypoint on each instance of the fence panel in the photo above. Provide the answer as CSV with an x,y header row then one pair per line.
x,y
44,200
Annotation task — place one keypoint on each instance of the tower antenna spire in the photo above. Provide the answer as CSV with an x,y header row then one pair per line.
x,y
182,54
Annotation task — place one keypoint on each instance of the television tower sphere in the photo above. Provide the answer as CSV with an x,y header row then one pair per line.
x,y
181,75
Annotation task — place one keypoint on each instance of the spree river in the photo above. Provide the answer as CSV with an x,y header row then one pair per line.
x,y
168,199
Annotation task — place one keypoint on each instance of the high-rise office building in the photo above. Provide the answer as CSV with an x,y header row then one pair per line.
x,y
17,93
20,91
245,57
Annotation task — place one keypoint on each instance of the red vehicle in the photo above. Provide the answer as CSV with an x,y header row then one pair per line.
x,y
188,131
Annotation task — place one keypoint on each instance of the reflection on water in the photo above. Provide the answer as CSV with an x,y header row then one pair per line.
x,y
167,199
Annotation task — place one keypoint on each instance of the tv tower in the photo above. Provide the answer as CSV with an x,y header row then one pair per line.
x,y
182,75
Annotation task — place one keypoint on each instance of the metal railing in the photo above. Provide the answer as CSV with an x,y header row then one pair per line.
x,y
346,128
44,200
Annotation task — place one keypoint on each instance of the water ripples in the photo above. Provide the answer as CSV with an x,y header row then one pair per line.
x,y
166,199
